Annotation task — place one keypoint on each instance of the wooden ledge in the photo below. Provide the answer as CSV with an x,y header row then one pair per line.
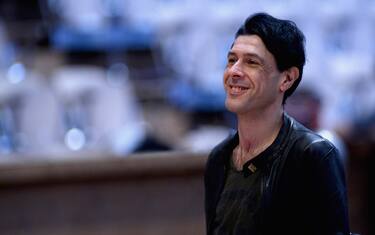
x,y
85,167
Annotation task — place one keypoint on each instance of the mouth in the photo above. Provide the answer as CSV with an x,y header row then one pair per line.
x,y
237,90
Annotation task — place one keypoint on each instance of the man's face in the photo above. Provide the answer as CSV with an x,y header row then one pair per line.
x,y
251,78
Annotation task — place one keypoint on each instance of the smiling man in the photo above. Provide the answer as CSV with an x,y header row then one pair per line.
x,y
273,176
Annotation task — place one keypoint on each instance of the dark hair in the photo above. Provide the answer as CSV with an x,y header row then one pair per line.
x,y
282,38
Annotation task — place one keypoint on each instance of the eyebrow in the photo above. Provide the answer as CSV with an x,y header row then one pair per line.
x,y
231,53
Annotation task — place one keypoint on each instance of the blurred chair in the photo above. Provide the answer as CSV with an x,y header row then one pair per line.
x,y
92,111
93,25
99,110
27,109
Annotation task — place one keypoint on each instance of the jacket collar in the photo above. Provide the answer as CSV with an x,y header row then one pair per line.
x,y
233,140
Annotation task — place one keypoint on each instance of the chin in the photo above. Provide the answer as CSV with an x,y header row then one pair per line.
x,y
233,106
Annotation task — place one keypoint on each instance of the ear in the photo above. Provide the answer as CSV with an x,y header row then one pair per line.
x,y
290,76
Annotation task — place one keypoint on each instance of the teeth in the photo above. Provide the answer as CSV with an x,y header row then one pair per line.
x,y
237,88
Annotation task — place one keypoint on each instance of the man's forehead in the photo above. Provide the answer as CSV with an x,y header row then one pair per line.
x,y
249,44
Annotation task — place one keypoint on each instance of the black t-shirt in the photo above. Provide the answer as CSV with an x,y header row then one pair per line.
x,y
239,205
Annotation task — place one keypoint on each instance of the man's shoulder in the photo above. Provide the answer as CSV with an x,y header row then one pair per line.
x,y
309,143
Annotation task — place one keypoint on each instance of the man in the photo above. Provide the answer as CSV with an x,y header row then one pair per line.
x,y
273,176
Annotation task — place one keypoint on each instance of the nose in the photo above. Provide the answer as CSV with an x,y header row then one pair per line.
x,y
235,70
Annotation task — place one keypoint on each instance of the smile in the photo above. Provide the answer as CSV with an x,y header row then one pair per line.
x,y
237,90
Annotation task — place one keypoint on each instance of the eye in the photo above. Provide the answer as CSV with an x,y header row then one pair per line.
x,y
231,60
252,62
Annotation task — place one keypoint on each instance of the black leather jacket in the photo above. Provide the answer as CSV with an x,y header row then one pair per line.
x,y
303,189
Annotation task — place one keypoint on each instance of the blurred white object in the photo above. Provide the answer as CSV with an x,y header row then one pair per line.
x,y
204,139
99,108
31,111
10,96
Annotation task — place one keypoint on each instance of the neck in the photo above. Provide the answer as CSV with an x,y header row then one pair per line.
x,y
258,130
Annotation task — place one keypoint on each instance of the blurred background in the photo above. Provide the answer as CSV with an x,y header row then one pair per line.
x,y
119,77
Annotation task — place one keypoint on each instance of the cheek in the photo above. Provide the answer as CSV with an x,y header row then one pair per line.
x,y
225,77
